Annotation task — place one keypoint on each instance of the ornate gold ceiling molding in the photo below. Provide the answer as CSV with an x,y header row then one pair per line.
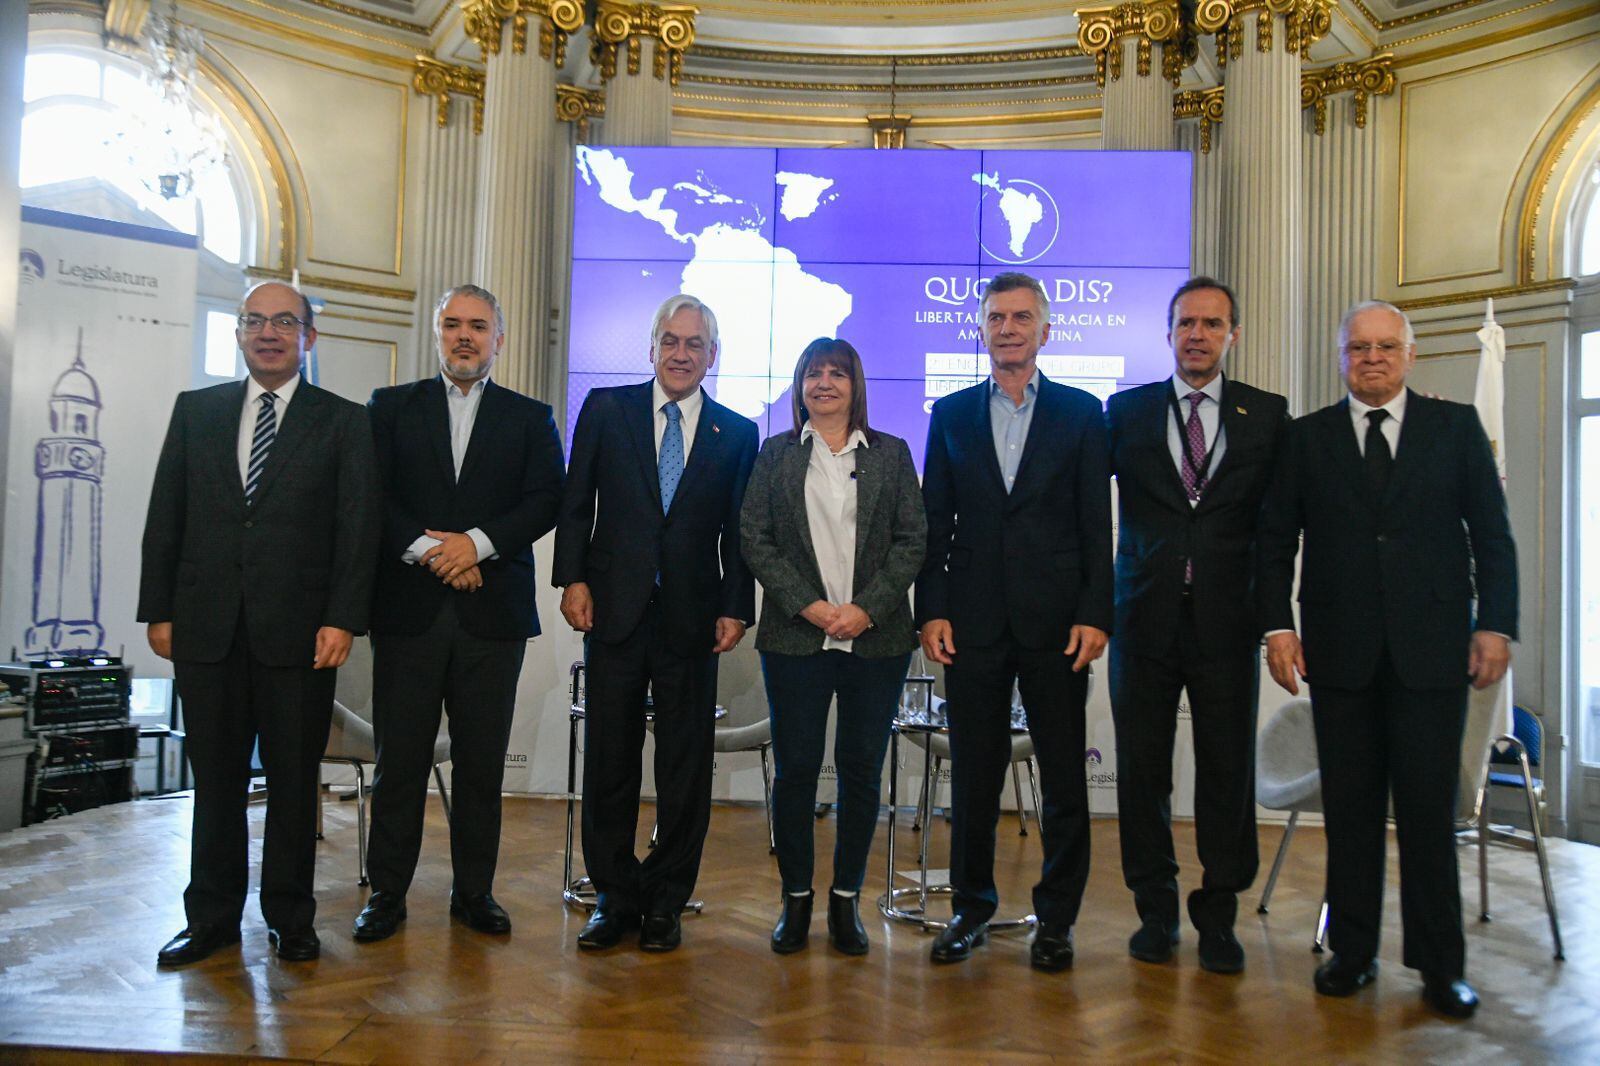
x,y
578,105
1305,23
1367,78
313,281
829,59
1407,20
373,17
123,23
617,24
1203,104
483,20
725,81
433,78
1477,296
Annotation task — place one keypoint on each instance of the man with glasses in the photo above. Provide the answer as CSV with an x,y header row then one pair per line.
x,y
1403,519
258,557
647,551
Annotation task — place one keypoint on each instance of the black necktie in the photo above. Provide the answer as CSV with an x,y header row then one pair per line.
x,y
1378,456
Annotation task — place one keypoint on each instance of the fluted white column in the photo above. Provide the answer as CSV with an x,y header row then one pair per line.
x,y
1137,108
449,213
1341,197
520,133
1263,214
640,50
638,106
1206,200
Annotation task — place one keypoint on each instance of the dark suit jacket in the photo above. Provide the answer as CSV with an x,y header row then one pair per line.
x,y
613,534
300,558
510,487
1394,572
1158,530
891,536
1037,560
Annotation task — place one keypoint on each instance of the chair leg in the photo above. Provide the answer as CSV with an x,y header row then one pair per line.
x,y
361,821
572,798
1022,810
1483,855
1322,928
922,800
1033,787
766,798
1544,859
444,793
1277,862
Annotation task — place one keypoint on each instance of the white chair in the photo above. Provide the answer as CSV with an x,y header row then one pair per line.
x,y
1288,779
351,743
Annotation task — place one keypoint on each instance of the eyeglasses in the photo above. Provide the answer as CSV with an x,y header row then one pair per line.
x,y
284,323
1384,348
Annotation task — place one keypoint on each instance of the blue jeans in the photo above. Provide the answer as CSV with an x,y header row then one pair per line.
x,y
799,691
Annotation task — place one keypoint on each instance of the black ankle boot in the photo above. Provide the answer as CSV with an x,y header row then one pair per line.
x,y
794,924
844,924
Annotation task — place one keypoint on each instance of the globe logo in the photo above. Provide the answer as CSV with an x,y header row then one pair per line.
x,y
31,265
1018,220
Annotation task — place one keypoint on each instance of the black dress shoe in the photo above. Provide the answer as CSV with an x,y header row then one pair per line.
x,y
660,932
1052,948
295,945
606,927
1345,977
1153,941
794,924
1220,951
480,912
380,918
1450,996
956,941
845,930
195,943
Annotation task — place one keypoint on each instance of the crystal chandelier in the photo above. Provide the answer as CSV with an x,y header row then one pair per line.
x,y
174,141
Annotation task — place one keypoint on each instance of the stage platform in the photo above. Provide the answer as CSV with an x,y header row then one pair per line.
x,y
86,900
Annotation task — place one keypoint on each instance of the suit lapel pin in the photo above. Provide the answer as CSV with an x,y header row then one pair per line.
x,y
715,428
1241,410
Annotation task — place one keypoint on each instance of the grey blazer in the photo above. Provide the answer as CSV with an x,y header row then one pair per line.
x,y
891,538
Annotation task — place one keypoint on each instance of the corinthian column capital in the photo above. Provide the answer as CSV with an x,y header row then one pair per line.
x,y
1368,78
430,77
483,21
618,24
1101,31
1305,23
578,105
1203,104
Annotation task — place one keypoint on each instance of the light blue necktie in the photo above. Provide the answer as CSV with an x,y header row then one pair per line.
x,y
260,444
669,465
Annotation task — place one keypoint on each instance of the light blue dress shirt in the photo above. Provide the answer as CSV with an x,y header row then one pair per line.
x,y
1009,423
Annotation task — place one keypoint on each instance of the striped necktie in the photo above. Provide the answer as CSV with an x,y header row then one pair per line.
x,y
261,444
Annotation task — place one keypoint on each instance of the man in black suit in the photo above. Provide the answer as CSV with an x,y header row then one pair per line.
x,y
257,572
1404,519
1018,578
647,550
471,475
1192,455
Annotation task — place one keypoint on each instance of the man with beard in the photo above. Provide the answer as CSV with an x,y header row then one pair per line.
x,y
471,475
257,574
1192,455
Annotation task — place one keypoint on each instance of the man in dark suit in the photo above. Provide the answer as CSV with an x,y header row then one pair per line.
x,y
471,475
258,556
1192,455
647,550
1018,578
1404,519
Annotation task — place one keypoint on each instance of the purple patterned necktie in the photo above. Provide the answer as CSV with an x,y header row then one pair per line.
x,y
1193,478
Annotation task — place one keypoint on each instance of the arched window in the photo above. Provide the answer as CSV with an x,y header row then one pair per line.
x,y
80,123
1586,233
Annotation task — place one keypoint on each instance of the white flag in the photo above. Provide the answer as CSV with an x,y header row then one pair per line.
x,y
1490,395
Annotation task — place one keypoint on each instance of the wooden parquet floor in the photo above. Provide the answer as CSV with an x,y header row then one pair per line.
x,y
85,902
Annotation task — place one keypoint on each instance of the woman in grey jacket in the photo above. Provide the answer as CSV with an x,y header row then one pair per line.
x,y
834,530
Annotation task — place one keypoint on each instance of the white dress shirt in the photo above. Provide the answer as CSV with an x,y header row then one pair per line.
x,y
253,392
689,407
463,409
1210,423
831,517
1390,427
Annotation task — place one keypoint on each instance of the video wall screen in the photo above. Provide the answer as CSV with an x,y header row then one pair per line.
x,y
890,250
